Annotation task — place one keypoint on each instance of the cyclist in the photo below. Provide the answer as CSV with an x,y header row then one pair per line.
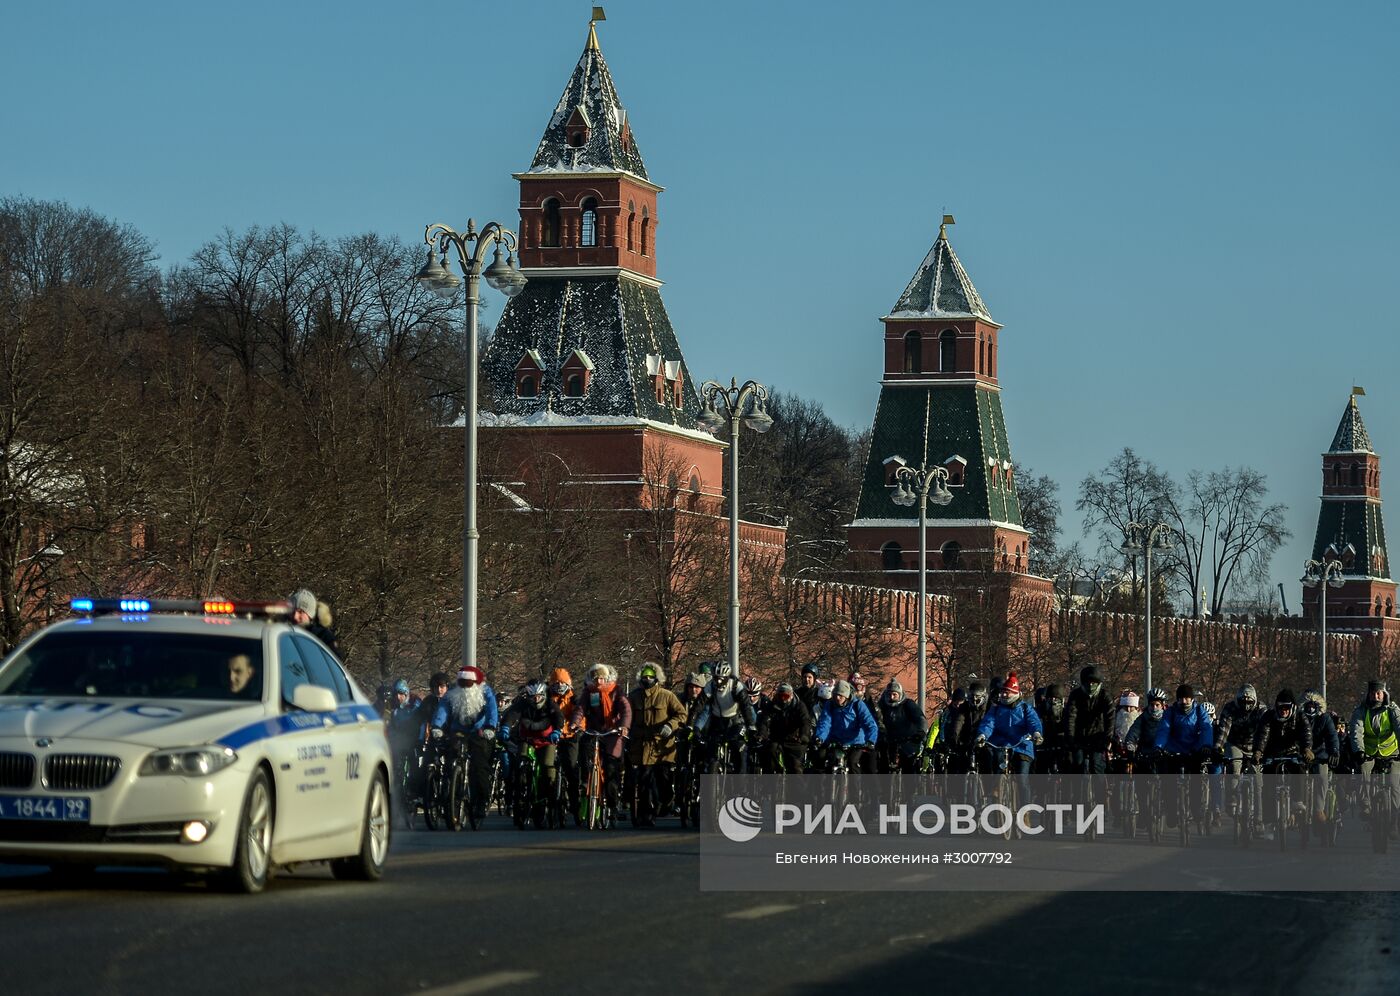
x,y
534,719
1186,732
872,702
1326,748
1014,724
1215,767
657,714
1054,725
1375,724
847,724
904,728
604,709
962,728
725,716
1089,723
1142,736
811,675
1283,732
470,709
816,752
561,693
758,698
784,731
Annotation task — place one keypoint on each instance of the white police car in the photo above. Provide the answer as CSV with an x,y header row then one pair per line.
x,y
212,735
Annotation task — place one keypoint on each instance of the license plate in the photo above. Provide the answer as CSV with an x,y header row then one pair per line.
x,y
64,809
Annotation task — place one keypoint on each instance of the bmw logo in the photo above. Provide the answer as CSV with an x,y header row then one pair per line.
x,y
44,742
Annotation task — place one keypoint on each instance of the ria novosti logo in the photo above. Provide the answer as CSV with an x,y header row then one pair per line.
x,y
741,819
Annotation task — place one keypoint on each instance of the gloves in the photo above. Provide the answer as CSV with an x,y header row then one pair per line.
x,y
555,736
1258,756
1308,756
437,733
981,741
505,733
666,731
489,734
1037,739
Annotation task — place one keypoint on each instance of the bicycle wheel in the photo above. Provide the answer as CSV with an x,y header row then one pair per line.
x,y
1006,796
1281,815
432,798
458,805
1183,812
1380,816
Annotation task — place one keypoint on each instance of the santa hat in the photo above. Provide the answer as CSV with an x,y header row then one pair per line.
x,y
1011,685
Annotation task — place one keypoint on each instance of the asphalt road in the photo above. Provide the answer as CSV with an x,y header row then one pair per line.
x,y
621,912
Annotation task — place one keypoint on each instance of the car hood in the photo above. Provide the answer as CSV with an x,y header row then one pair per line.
x,y
149,722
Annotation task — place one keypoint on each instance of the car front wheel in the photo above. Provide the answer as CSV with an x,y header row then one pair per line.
x,y
368,865
252,858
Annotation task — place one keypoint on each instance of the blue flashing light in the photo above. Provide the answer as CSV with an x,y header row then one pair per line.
x,y
80,605
135,605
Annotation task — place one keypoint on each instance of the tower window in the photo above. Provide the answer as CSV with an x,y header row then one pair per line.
x,y
952,554
589,235
891,556
1355,474
646,233
527,387
551,224
631,227
948,351
573,386
981,355
576,139
913,346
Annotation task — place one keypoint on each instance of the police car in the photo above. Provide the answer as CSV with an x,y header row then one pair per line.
x,y
209,734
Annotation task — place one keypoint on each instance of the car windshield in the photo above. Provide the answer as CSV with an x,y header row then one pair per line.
x,y
137,664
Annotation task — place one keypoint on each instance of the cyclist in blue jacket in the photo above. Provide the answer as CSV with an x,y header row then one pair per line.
x,y
847,724
1186,736
1011,723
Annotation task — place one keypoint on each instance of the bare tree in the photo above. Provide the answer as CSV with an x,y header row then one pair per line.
x,y
1128,489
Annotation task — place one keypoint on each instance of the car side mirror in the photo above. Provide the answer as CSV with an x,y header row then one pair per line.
x,y
313,698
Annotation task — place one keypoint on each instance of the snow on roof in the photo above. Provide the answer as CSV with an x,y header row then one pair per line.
x,y
582,358
1351,436
552,419
590,92
940,288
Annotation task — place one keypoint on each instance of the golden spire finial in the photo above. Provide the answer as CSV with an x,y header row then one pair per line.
x,y
598,15
943,228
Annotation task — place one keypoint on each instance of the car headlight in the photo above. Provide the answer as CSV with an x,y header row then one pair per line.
x,y
190,761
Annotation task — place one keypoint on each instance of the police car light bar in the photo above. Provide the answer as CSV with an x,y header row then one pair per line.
x,y
186,606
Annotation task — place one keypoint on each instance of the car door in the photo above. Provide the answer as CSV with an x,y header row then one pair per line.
x,y
303,754
349,771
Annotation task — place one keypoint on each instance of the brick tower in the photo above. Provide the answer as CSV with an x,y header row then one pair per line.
x,y
1350,529
940,403
584,362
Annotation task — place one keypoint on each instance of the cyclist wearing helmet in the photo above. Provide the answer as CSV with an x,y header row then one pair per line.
x,y
1285,732
1215,767
1089,720
725,715
758,698
1054,725
846,723
404,719
1326,748
657,715
784,731
861,690
535,719
1143,733
962,728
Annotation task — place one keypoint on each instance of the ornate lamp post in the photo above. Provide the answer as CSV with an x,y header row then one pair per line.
x,y
470,249
1143,538
748,404
922,486
1322,574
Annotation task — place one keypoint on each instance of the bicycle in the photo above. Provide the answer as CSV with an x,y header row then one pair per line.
x,y
598,813
448,791
688,782
1378,794
532,805
1185,796
1008,788
1283,791
406,769
1242,806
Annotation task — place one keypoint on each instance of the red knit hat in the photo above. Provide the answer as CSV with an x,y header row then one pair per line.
x,y
1011,685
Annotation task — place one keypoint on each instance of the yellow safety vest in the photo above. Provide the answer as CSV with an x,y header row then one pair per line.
x,y
1379,733
934,729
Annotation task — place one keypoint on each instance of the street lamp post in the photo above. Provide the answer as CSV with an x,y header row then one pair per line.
x,y
751,397
1143,538
1323,574
921,486
470,248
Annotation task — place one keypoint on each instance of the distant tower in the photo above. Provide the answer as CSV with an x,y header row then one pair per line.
x,y
1350,529
940,403
584,362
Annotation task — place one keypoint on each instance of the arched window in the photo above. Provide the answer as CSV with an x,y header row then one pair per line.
x,y
891,556
527,387
577,138
1336,474
981,355
913,346
1378,605
1351,610
573,386
952,554
589,236
1390,606
551,224
948,351
1355,474
631,227
646,232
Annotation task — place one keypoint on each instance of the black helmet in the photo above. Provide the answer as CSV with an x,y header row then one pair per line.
x,y
1091,674
1285,697
811,669
1378,685
1055,692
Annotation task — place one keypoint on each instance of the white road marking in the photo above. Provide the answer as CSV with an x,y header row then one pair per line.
x,y
480,984
920,877
757,912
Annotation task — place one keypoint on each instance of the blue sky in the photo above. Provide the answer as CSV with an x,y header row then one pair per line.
x,y
1185,217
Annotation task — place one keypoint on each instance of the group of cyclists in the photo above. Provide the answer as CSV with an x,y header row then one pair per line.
x,y
605,749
